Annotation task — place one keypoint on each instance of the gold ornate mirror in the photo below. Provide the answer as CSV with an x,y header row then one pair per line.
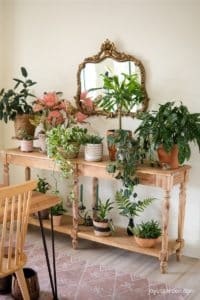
x,y
108,60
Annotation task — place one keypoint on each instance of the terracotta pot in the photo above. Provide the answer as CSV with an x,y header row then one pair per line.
x,y
57,220
146,243
112,149
169,158
101,228
26,146
22,123
32,284
93,152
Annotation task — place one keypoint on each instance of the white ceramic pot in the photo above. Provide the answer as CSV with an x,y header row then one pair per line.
x,y
26,146
42,142
93,152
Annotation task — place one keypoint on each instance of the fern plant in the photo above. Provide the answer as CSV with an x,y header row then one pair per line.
x,y
148,230
130,208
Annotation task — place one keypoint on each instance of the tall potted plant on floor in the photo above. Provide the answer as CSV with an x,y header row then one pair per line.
x,y
14,104
119,96
170,131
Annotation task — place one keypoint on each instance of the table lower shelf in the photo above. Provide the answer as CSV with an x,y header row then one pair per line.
x,y
119,238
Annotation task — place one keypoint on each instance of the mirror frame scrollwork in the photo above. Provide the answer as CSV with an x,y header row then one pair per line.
x,y
108,50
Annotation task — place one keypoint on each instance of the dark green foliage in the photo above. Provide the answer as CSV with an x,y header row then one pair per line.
x,y
130,208
170,125
148,230
58,209
103,210
42,185
24,135
124,168
14,101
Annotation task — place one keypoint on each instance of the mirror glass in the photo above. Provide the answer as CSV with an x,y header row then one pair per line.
x,y
108,62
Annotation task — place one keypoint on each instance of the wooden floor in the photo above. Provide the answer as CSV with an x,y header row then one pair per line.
x,y
184,274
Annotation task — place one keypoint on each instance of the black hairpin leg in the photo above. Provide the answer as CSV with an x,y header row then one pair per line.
x,y
53,284
54,260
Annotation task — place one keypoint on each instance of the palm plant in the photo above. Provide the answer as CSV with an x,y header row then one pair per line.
x,y
120,96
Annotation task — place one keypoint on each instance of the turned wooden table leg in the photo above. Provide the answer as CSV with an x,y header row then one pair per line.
x,y
181,216
165,220
6,179
75,209
27,173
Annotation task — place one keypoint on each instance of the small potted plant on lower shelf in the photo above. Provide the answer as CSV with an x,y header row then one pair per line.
x,y
42,187
93,147
147,233
102,225
57,212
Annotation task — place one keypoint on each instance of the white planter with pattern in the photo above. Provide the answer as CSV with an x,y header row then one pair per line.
x,y
93,152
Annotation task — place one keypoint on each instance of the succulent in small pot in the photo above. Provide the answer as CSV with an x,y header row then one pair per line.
x,y
102,225
93,148
171,130
147,233
57,212
42,187
26,141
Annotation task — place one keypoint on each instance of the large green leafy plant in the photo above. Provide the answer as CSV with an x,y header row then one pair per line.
x,y
120,96
15,101
171,124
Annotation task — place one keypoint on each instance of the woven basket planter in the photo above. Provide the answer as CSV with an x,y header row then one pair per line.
x,y
32,284
22,123
101,228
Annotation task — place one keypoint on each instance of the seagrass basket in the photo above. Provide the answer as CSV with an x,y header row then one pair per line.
x,y
22,123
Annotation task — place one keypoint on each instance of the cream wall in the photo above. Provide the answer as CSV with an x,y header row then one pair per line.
x,y
51,37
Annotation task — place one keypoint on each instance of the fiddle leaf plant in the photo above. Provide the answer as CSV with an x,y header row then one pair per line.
x,y
15,101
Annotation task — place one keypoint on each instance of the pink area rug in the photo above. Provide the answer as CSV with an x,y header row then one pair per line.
x,y
81,280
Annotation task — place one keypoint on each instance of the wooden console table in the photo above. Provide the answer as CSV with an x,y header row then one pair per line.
x,y
164,179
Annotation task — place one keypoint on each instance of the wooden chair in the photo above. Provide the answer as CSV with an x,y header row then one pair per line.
x,y
14,214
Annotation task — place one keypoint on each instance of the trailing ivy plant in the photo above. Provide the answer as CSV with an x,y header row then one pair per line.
x,y
15,101
171,124
61,140
127,158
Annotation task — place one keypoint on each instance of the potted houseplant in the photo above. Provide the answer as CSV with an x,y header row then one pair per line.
x,y
147,233
42,187
170,130
63,144
26,141
14,104
130,208
119,96
102,225
57,212
93,147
